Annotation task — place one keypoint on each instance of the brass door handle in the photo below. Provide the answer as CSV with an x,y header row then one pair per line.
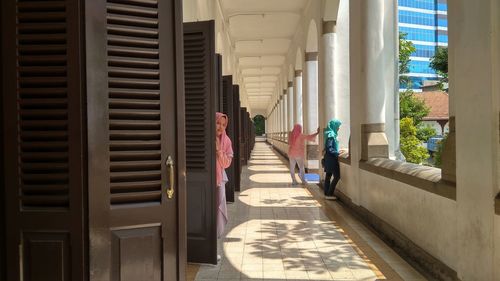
x,y
171,172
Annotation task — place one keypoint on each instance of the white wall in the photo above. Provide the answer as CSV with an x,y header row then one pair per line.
x,y
497,247
436,126
429,220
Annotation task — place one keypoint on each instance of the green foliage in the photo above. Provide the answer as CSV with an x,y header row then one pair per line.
x,y
406,48
425,132
439,62
411,146
438,160
411,107
260,125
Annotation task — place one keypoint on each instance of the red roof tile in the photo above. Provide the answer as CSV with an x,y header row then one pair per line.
x,y
438,102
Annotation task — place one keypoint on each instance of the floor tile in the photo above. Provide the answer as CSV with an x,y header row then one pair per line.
x,y
277,231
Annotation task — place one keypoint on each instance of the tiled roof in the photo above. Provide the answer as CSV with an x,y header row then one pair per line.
x,y
438,102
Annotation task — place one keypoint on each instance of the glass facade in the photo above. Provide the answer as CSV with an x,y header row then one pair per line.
x,y
426,25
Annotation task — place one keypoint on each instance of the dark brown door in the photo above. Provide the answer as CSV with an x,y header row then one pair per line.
x,y
251,135
135,139
227,108
43,140
237,136
2,187
244,135
220,88
201,89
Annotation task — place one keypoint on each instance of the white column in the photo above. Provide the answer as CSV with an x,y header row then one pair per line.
x,y
335,51
291,117
474,39
266,125
328,72
312,92
377,73
285,111
280,113
297,98
311,119
275,119
272,120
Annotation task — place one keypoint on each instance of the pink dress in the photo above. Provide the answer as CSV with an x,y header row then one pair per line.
x,y
297,149
221,206
224,158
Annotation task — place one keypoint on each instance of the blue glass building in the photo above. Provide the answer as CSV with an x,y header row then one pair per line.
x,y
426,24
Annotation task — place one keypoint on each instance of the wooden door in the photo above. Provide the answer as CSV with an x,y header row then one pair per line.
x,y
227,108
135,139
2,187
251,135
244,135
44,140
237,137
201,89
219,99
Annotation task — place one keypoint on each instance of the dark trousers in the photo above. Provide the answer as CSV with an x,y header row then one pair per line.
x,y
330,187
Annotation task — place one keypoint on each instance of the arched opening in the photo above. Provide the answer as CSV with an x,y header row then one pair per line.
x,y
259,122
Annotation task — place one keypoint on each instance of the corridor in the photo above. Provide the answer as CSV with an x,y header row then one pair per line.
x,y
277,231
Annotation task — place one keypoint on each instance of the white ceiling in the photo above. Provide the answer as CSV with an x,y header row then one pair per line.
x,y
261,31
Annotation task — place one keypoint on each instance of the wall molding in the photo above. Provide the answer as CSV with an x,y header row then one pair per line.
x,y
422,177
429,266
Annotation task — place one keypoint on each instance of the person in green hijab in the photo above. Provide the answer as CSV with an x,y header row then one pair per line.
x,y
331,158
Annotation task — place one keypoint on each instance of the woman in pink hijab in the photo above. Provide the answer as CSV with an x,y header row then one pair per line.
x,y
224,156
296,145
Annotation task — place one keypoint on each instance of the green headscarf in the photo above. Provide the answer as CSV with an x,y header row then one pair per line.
x,y
332,129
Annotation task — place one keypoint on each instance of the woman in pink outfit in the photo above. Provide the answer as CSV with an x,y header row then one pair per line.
x,y
296,145
224,156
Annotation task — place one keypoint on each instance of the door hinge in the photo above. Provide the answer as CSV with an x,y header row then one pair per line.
x,y
21,258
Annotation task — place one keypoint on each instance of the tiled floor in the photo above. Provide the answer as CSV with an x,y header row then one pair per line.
x,y
277,231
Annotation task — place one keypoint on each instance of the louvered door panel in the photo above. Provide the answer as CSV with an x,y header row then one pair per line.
x,y
2,159
135,95
201,90
244,135
134,102
219,83
44,164
237,136
227,108
195,72
43,105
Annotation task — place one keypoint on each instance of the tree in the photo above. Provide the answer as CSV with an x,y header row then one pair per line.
x,y
424,133
411,146
406,48
439,62
412,107
260,124
438,159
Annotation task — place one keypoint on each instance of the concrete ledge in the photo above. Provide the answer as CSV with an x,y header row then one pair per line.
x,y
345,158
422,177
428,265
497,204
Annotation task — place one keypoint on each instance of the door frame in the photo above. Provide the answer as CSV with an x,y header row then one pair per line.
x,y
2,183
181,144
202,245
